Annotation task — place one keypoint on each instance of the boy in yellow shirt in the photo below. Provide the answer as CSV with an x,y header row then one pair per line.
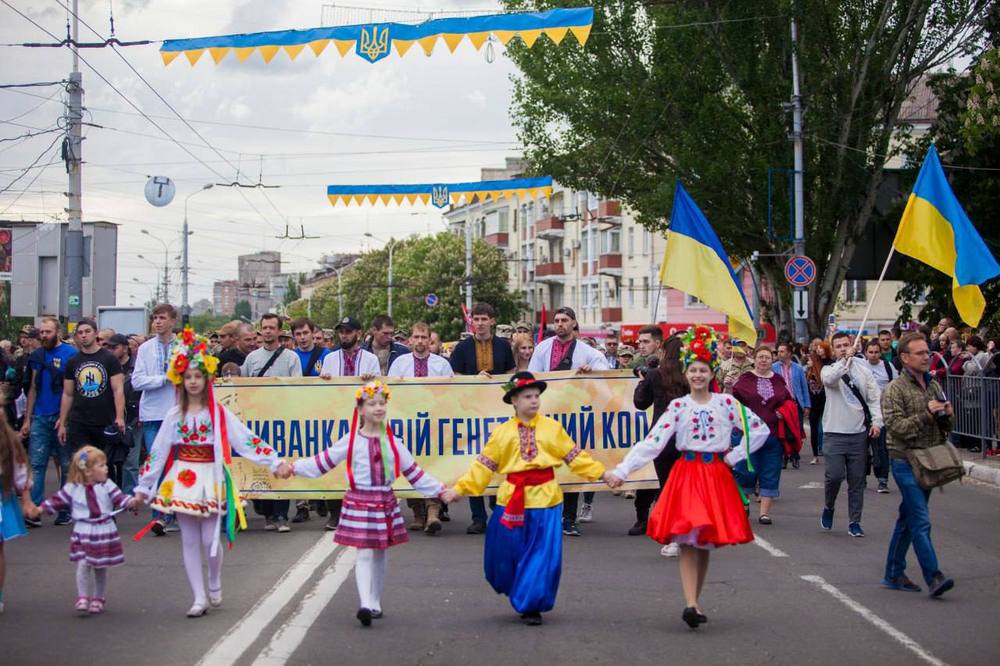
x,y
523,556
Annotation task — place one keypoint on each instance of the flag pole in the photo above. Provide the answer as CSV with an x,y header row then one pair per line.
x,y
871,299
659,273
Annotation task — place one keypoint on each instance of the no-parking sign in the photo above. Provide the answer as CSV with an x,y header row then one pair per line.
x,y
800,271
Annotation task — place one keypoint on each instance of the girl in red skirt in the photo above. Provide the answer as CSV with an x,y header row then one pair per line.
x,y
370,520
700,508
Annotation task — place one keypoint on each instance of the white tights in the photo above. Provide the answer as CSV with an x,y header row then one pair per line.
x,y
85,575
369,572
197,535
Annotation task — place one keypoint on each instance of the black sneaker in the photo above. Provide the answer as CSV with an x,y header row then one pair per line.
x,y
301,516
570,528
638,529
477,527
364,617
532,619
901,583
939,585
158,528
32,522
63,519
883,488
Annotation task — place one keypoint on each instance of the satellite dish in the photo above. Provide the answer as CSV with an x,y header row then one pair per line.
x,y
160,190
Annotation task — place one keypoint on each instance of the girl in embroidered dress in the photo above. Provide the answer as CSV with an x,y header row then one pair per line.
x,y
15,482
93,500
187,474
370,519
700,508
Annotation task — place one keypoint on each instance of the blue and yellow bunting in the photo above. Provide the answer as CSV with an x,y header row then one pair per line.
x,y
440,195
373,42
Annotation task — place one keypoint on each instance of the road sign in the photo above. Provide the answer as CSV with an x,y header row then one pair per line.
x,y
431,300
160,190
801,309
74,300
800,271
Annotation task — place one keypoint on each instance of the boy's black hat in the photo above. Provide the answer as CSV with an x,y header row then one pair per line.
x,y
519,382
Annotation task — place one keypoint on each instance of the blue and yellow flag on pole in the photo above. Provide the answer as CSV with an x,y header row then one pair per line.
x,y
695,263
935,230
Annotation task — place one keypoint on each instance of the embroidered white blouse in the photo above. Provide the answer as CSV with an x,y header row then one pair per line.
x,y
704,428
367,466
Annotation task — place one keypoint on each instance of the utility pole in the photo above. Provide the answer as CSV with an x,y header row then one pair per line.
x,y
800,240
468,263
72,149
185,307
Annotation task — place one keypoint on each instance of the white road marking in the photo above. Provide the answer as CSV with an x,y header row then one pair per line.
x,y
290,635
813,485
766,545
234,642
874,619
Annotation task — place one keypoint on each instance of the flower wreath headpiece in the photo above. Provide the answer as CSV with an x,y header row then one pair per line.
x,y
190,350
370,390
700,344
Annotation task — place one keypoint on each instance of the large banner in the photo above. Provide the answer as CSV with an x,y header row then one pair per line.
x,y
444,422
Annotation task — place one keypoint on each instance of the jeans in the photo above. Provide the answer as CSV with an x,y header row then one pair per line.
x,y
766,475
130,471
478,507
913,526
149,431
846,457
42,445
880,457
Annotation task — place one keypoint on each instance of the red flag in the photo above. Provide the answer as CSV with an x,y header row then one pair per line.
x,y
541,327
468,318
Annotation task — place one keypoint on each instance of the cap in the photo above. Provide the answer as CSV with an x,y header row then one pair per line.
x,y
505,331
118,340
566,310
30,331
523,324
349,323
625,350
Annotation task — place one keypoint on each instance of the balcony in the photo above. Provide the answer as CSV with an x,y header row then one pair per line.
x,y
550,228
611,315
498,240
609,211
610,264
550,272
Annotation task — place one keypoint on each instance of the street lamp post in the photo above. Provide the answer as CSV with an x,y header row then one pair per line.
x,y
391,245
185,307
166,276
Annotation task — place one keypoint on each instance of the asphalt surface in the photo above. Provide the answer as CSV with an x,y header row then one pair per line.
x,y
619,599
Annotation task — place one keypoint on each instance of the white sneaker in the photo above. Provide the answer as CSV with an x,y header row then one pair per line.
x,y
630,494
670,550
586,513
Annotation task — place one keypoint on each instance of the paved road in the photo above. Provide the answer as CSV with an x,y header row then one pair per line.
x,y
289,599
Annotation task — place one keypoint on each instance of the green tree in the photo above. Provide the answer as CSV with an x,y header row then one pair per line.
x,y
243,311
421,266
693,90
208,322
968,141
293,292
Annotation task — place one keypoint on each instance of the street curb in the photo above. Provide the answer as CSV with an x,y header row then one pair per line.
x,y
984,473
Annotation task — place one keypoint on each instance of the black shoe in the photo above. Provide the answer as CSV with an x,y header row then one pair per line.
x,y
796,463
477,527
939,585
445,518
376,615
301,516
532,619
570,528
32,522
690,617
63,519
364,617
637,529
901,583
158,528
702,618
321,509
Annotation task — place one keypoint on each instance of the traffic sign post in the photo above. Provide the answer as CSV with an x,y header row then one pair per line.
x,y
800,271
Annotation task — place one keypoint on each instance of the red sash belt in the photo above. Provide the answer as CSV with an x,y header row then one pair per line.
x,y
196,454
513,515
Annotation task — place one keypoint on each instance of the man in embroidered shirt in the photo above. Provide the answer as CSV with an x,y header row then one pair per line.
x,y
422,363
561,352
847,424
350,360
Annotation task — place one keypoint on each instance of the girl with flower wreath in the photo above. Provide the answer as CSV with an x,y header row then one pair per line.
x,y
701,507
187,470
370,519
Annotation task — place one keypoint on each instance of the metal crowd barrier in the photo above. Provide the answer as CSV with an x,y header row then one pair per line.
x,y
976,401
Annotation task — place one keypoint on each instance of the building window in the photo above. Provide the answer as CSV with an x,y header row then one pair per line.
x,y
693,302
855,291
646,241
611,241
531,213
631,241
611,294
572,298
645,292
631,292
585,245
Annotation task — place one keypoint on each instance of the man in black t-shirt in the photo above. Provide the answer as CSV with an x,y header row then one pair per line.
x,y
93,392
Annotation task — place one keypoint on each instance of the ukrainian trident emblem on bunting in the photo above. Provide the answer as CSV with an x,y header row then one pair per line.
x,y
374,43
439,196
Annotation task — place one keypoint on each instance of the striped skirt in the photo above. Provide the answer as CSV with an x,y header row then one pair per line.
x,y
96,543
371,519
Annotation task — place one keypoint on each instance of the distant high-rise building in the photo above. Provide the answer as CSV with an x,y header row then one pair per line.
x,y
225,296
256,276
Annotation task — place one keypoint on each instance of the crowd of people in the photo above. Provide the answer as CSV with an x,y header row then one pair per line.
x,y
106,397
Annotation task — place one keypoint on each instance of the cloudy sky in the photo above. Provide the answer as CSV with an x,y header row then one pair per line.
x,y
301,125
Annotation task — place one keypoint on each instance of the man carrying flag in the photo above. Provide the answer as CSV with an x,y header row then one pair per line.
x,y
696,263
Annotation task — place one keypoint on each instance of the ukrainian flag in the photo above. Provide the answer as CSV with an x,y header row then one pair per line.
x,y
936,231
695,263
